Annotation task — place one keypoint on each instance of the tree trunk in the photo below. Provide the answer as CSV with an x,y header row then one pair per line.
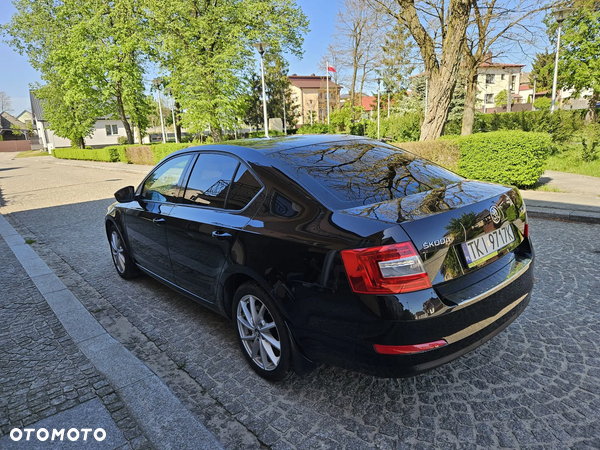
x,y
122,115
441,88
592,115
216,133
470,99
139,134
81,143
178,120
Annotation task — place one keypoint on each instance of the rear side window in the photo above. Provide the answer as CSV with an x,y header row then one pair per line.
x,y
163,184
220,181
360,173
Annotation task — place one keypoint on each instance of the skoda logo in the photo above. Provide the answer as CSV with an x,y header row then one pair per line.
x,y
495,215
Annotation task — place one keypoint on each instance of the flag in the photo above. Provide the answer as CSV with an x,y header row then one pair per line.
x,y
330,69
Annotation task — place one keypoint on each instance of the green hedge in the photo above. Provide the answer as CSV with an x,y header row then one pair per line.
x,y
507,157
560,125
317,128
120,153
107,154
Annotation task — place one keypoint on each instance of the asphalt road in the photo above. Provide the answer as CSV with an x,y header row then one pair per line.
x,y
536,385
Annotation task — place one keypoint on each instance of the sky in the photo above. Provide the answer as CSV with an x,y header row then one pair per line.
x,y
16,74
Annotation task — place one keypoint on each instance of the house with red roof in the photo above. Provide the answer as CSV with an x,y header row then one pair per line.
x,y
494,77
309,97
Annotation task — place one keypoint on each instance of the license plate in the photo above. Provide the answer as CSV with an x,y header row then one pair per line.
x,y
485,247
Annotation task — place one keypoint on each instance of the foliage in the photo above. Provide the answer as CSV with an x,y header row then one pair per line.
x,y
206,50
570,160
590,142
162,150
501,98
277,85
543,68
579,65
86,52
507,157
398,127
106,154
542,103
397,63
317,128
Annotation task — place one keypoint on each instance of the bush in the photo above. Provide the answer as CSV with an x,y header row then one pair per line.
x,y
317,128
590,142
516,157
162,150
444,152
106,154
122,140
398,127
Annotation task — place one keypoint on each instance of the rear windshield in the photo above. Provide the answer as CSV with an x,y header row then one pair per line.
x,y
360,173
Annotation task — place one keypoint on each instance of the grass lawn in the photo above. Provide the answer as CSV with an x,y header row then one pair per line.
x,y
570,161
30,153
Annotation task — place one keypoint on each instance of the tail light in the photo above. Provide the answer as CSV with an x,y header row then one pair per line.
x,y
526,229
390,269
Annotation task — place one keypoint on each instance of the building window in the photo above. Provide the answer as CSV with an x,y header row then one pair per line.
x,y
489,98
490,78
502,77
512,82
111,129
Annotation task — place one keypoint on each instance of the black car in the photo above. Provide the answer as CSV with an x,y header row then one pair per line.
x,y
330,249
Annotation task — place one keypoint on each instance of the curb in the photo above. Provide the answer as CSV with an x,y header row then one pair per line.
x,y
564,214
166,423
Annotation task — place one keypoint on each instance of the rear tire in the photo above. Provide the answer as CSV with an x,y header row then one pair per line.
x,y
262,333
123,262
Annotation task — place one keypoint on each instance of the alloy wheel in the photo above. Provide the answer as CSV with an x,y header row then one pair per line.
x,y
117,250
258,332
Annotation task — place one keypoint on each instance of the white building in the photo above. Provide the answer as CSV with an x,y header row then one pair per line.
x,y
106,131
492,78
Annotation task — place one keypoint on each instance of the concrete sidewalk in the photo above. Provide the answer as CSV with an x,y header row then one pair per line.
x,y
129,391
578,199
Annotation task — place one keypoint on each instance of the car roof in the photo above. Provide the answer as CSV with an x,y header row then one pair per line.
x,y
280,143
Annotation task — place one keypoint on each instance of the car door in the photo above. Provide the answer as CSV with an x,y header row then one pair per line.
x,y
147,217
204,225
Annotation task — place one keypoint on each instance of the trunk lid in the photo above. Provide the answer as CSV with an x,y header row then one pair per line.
x,y
439,220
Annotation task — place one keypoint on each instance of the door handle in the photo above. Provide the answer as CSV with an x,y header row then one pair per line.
x,y
221,235
158,220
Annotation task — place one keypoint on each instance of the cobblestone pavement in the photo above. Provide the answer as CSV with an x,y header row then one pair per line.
x,y
536,385
42,372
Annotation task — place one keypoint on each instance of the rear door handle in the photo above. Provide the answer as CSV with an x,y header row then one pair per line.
x,y
221,235
158,220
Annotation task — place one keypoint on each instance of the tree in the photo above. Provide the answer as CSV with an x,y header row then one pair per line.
x,y
579,65
543,69
206,48
5,102
397,60
86,47
441,64
493,23
501,98
359,42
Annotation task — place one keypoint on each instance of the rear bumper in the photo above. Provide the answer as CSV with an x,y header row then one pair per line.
x,y
475,318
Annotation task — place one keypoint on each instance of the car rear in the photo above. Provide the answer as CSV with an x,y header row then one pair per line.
x,y
451,267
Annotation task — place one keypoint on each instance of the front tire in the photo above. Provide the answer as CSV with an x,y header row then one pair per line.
x,y
261,332
123,262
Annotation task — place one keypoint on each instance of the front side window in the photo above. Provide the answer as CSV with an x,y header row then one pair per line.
x,y
220,181
163,184
210,180
490,79
489,98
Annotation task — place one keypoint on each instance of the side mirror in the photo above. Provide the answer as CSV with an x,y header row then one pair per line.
x,y
125,195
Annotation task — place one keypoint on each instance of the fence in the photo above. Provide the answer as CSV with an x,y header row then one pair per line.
x,y
15,146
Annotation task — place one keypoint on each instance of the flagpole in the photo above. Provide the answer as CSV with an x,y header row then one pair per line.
x,y
327,81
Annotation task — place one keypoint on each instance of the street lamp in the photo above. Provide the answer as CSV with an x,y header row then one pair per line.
x,y
560,15
378,84
169,92
157,83
261,47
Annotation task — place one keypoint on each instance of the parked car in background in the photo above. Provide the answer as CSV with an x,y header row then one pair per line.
x,y
330,250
